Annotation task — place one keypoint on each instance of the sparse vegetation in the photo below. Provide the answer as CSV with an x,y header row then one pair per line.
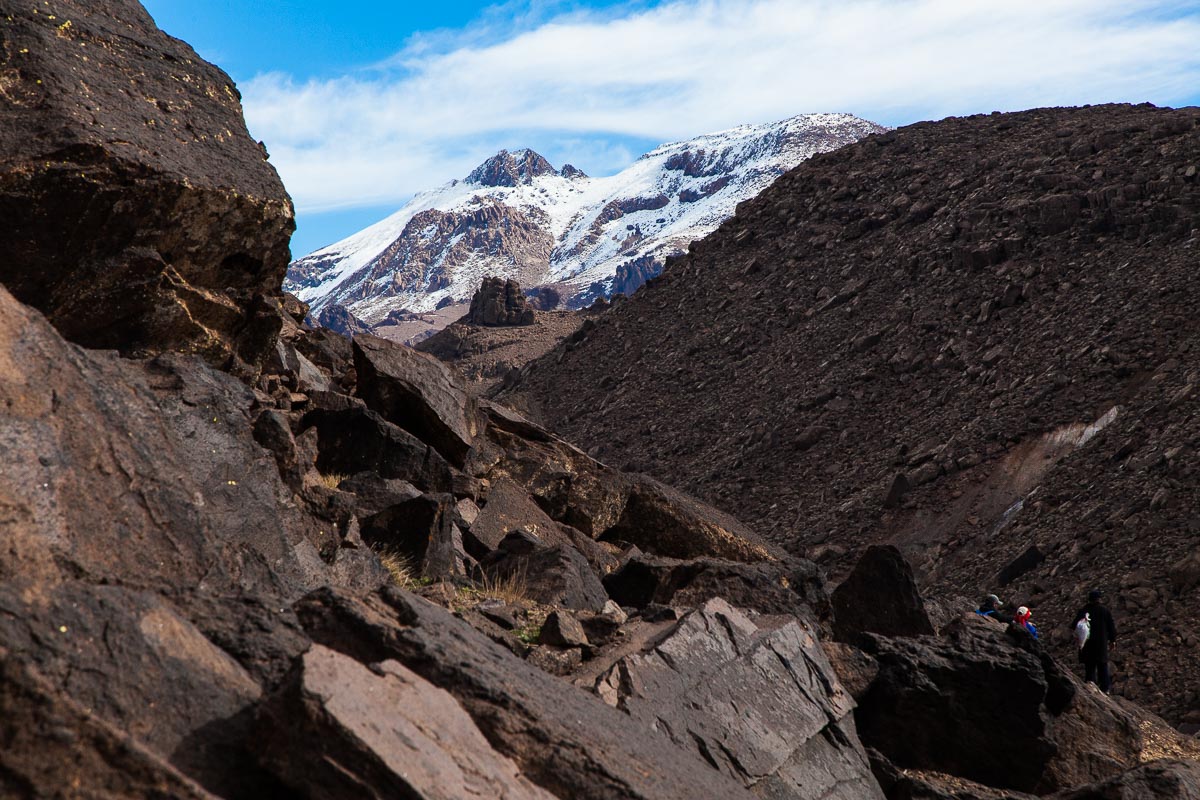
x,y
529,634
512,589
401,568
332,480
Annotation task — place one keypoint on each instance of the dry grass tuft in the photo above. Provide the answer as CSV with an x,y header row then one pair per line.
x,y
332,480
512,589
400,567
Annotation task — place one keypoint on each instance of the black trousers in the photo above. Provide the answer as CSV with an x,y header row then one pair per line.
x,y
1097,672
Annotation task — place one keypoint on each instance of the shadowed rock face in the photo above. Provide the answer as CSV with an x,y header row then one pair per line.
x,y
139,214
879,596
418,393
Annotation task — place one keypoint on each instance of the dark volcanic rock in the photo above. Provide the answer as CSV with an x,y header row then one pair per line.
x,y
1160,780
792,587
420,529
509,509
959,705
565,741
562,630
662,521
990,705
341,730
558,575
359,440
130,488
761,704
879,596
418,393
106,457
144,219
569,486
52,747
499,302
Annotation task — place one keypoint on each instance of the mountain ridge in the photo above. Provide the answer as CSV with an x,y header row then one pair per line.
x,y
515,216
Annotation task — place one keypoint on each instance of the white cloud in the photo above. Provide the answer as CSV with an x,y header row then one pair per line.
x,y
693,66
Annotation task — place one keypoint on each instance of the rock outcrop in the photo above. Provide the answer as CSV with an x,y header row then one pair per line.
x,y
139,214
499,302
988,704
418,393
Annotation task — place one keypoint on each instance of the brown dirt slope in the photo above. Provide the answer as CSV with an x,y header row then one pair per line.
x,y
906,338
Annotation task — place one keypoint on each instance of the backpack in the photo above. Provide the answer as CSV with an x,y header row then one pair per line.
x,y
1083,630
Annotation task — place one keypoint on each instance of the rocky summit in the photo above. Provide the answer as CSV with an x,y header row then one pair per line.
x,y
332,570
972,339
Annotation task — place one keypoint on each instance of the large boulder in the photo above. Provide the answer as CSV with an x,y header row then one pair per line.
x,y
567,742
136,472
138,212
566,483
355,439
879,596
340,730
558,575
509,509
759,703
969,704
419,393
129,489
421,531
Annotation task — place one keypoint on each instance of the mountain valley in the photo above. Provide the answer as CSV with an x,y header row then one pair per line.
x,y
723,537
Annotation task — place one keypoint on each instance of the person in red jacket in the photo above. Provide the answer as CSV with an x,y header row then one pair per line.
x,y
1023,620
1101,638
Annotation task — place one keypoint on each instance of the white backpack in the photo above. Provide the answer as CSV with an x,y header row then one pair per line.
x,y
1083,629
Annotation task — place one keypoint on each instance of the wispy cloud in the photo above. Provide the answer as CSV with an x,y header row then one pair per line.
x,y
682,68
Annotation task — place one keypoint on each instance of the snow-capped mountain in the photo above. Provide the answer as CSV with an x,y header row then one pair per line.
x,y
515,216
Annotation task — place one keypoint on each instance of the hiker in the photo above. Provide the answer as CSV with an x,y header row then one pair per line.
x,y
1023,621
1098,636
992,607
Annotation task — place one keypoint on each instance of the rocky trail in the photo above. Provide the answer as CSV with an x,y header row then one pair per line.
x,y
261,560
972,338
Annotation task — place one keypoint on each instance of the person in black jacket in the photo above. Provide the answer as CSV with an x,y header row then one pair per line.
x,y
1094,653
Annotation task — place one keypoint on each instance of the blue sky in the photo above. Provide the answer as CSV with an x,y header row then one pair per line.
x,y
362,104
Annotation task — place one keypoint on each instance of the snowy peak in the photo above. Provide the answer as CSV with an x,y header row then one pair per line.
x,y
516,217
519,168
